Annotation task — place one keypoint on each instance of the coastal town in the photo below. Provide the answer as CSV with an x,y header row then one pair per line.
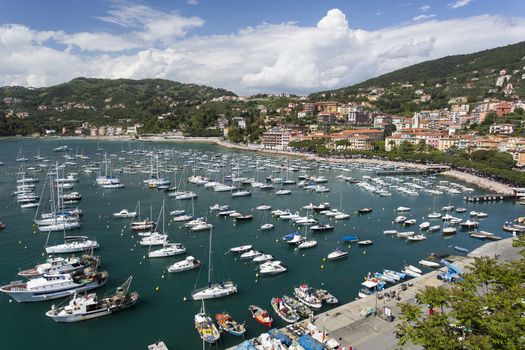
x,y
243,175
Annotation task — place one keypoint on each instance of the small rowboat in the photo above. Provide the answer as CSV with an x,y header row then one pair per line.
x,y
226,323
261,316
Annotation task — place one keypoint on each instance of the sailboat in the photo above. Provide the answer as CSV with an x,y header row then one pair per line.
x,y
307,243
214,289
206,328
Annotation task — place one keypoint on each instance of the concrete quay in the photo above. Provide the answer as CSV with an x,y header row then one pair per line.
x,y
349,327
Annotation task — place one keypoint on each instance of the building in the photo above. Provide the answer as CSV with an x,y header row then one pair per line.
x,y
505,129
358,116
503,108
276,139
415,137
356,139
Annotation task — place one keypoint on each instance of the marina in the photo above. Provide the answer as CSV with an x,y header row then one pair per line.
x,y
336,263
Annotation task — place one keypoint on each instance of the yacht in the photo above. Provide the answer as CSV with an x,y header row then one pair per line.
x,y
189,263
306,296
50,287
240,249
272,268
73,244
59,265
266,227
169,249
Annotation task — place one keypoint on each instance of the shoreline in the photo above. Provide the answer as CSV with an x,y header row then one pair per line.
x,y
487,184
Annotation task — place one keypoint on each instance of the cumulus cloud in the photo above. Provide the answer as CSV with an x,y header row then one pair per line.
x,y
265,58
459,3
424,8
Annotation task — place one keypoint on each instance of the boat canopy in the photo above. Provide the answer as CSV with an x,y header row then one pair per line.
x,y
275,333
245,345
309,343
350,238
369,284
290,236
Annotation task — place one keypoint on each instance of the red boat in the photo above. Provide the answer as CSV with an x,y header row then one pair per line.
x,y
261,316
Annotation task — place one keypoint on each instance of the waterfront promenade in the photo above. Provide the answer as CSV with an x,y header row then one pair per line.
x,y
350,327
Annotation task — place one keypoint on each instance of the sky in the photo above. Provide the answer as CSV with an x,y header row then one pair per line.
x,y
246,46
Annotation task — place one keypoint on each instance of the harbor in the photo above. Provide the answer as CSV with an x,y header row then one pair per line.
x,y
364,208
353,326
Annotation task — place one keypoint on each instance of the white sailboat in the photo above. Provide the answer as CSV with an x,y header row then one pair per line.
x,y
214,289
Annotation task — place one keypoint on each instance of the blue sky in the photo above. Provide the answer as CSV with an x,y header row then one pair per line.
x,y
246,46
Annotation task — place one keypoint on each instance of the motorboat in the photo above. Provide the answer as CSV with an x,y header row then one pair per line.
x,y
169,249
424,225
450,230
321,227
434,228
416,238
390,232
283,192
263,207
55,286
409,222
266,227
365,242
85,307
283,311
434,215
272,268
241,193
189,263
240,249
202,227
403,209
364,210
262,258
124,213
337,254
405,234
469,224
260,315
306,244
400,219
250,254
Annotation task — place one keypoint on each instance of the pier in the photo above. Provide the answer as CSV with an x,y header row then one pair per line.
x,y
348,325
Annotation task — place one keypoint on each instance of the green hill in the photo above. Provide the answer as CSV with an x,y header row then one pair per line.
x,y
471,75
105,101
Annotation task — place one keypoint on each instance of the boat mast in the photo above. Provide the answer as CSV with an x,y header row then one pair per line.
x,y
209,258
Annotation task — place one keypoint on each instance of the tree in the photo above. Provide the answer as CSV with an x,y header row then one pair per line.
x,y
484,311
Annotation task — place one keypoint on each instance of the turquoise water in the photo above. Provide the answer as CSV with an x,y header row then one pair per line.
x,y
163,313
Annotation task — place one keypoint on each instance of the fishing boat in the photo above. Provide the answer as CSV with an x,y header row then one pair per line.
x,y
301,309
260,315
214,289
189,263
50,287
283,311
228,324
206,328
58,265
337,254
325,296
81,308
305,295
